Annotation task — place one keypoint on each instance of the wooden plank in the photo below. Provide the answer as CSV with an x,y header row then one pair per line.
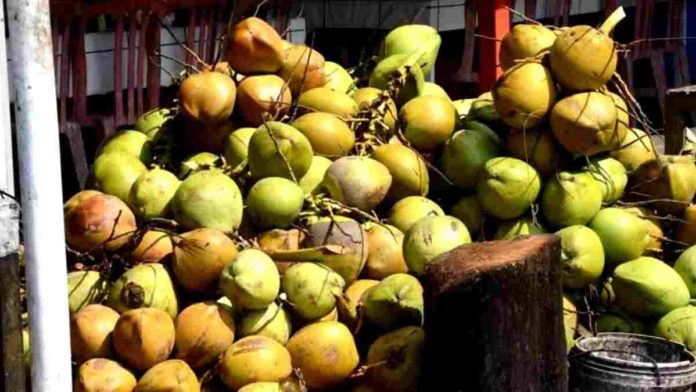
x,y
64,69
118,71
142,61
465,72
191,36
130,97
202,34
657,60
78,59
152,43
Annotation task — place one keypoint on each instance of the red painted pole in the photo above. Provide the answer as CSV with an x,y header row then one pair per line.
x,y
494,22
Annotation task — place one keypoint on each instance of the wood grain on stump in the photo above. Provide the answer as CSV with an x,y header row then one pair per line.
x,y
494,318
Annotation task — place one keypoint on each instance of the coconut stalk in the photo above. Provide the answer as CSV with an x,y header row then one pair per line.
x,y
514,286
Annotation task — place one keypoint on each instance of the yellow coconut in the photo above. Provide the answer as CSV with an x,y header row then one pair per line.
x,y
171,375
154,246
325,352
90,332
524,94
144,337
101,374
524,41
203,331
199,258
585,123
254,359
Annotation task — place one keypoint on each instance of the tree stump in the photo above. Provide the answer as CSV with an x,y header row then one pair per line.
x,y
494,318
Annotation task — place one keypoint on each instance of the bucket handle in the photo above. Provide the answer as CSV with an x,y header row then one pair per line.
x,y
649,358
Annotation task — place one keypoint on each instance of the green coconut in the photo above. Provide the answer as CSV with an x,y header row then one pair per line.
x,y
144,286
636,149
398,66
311,181
518,227
582,255
584,58
208,199
251,280
151,122
114,173
524,95
624,235
276,149
618,322
507,187
570,322
152,192
428,121
359,182
585,123
465,154
647,287
339,243
431,237
236,147
524,41
469,211
686,267
397,301
538,148
414,38
435,90
85,288
324,99
409,210
329,135
407,168
679,326
483,109
274,202
199,162
402,350
337,78
571,199
611,176
129,142
669,181
273,322
312,289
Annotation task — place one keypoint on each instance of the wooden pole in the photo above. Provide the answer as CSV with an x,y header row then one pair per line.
x,y
11,361
494,318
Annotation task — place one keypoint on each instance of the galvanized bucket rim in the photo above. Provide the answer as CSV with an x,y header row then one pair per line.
x,y
652,366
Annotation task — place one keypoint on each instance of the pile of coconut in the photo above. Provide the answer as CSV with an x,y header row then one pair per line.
x,y
267,232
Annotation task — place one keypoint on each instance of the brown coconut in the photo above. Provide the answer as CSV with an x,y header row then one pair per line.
x,y
254,47
524,41
90,332
538,148
669,181
303,68
207,97
144,337
261,97
254,359
78,198
384,256
153,247
101,374
200,256
203,331
524,95
172,375
686,230
100,219
585,123
207,137
636,149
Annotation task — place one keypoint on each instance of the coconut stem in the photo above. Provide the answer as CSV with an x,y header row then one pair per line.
x,y
617,16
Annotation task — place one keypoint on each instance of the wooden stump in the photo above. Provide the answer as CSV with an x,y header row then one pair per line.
x,y
494,318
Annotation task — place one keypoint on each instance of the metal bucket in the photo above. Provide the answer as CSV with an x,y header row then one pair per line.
x,y
622,362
